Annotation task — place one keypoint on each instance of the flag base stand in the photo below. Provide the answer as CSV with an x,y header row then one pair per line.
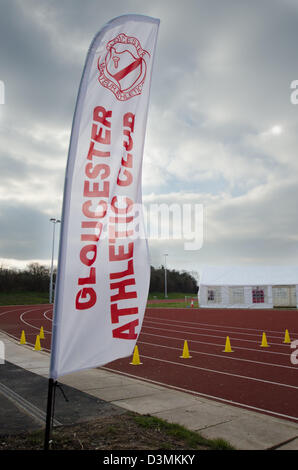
x,y
51,386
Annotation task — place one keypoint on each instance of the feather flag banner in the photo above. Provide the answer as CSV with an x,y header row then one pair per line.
x,y
104,268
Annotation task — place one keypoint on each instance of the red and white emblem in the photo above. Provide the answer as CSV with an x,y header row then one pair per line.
x,y
123,69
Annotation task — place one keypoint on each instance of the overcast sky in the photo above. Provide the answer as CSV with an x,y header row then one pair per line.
x,y
222,130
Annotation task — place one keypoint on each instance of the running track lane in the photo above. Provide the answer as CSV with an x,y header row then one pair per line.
x,y
257,378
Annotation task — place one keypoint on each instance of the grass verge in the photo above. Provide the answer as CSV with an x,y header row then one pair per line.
x,y
128,431
192,439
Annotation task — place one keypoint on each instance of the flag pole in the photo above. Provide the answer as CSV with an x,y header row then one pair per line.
x,y
51,386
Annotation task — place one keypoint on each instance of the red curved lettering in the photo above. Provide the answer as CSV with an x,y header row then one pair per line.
x,y
83,254
122,210
94,215
83,294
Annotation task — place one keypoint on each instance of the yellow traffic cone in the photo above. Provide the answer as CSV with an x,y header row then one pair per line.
x,y
228,346
41,334
136,358
37,346
264,341
287,337
185,354
23,338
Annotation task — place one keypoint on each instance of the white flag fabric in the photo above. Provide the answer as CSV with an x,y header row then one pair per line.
x,y
104,267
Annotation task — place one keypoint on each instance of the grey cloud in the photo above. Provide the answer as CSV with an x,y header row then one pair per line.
x,y
11,167
271,213
26,233
38,86
221,77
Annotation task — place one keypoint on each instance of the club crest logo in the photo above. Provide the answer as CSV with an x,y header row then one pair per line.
x,y
123,69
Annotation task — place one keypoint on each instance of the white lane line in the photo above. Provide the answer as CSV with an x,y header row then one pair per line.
x,y
238,376
221,330
170,321
13,310
214,336
28,343
192,351
33,326
264,350
204,395
46,316
33,308
26,323
21,318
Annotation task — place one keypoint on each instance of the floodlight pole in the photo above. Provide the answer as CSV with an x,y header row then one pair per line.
x,y
55,221
166,291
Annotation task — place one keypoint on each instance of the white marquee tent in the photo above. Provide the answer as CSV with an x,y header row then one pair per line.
x,y
248,286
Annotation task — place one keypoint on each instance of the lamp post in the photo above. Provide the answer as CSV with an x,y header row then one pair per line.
x,y
54,221
166,292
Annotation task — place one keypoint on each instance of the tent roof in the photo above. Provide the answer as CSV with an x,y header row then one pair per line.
x,y
248,275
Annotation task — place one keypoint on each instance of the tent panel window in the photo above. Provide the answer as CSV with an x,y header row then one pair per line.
x,y
214,295
259,295
284,296
236,295
293,297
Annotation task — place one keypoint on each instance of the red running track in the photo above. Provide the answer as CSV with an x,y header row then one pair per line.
x,y
256,378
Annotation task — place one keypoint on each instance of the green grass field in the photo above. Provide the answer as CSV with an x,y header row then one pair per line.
x,y
171,295
23,298
32,298
173,304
